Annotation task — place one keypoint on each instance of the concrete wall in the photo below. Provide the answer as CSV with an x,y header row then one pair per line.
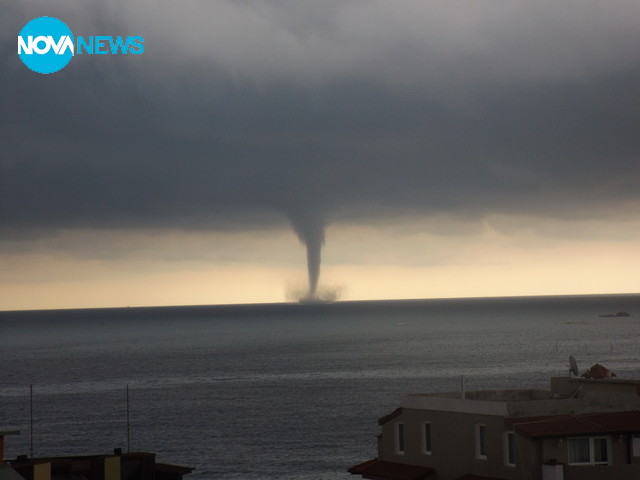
x,y
567,386
453,441
449,404
592,403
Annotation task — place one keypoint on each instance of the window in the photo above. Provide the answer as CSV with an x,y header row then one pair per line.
x,y
579,450
426,438
635,445
399,434
481,441
589,450
600,454
510,449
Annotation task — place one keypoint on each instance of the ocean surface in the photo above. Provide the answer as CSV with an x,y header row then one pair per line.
x,y
281,391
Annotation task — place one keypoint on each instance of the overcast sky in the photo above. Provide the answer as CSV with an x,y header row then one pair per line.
x,y
396,128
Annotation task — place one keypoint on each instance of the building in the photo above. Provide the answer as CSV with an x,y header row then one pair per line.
x,y
116,466
6,472
579,429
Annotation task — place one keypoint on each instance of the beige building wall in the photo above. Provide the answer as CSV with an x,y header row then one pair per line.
x,y
453,423
453,445
112,468
42,471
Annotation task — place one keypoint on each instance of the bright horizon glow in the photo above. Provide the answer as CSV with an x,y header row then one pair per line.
x,y
87,269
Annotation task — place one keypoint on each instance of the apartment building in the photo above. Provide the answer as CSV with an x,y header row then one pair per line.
x,y
580,429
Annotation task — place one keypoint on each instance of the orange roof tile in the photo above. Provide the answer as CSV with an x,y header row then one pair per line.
x,y
390,416
381,470
599,372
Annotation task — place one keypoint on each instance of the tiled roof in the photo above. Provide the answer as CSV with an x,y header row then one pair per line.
x,y
599,371
390,416
381,470
583,424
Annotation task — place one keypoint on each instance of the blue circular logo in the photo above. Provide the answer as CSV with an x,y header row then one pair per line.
x,y
45,45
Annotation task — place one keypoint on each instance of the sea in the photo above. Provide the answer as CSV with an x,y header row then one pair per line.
x,y
281,391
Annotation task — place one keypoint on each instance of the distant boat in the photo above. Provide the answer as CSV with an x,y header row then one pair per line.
x,y
619,314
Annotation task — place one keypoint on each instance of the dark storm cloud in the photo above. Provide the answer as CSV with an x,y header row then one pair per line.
x,y
249,112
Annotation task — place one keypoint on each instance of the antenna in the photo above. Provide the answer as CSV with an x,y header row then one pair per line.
x,y
128,424
573,366
31,417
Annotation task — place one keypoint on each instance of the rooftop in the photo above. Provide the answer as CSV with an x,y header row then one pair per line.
x,y
566,395
493,395
8,473
585,424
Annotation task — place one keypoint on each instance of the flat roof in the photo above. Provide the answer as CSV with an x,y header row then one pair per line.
x,y
617,380
514,395
582,424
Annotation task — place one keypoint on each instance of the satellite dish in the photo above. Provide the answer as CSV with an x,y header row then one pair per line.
x,y
573,366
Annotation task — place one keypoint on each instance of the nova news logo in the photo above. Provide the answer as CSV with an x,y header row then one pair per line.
x,y
46,45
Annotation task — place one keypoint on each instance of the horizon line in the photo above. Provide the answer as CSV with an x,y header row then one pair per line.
x,y
322,303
